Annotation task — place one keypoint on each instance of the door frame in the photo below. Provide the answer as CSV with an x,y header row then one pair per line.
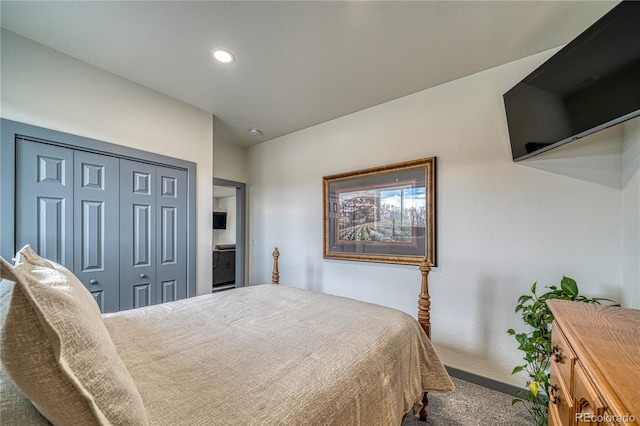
x,y
241,189
10,129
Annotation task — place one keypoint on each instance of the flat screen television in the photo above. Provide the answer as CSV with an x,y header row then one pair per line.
x,y
590,84
219,220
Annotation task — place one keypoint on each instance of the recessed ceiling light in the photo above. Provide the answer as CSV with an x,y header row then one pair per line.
x,y
255,132
223,56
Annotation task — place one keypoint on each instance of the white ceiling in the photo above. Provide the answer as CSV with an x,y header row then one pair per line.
x,y
297,64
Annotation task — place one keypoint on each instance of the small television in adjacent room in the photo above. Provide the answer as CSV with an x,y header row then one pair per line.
x,y
590,84
219,220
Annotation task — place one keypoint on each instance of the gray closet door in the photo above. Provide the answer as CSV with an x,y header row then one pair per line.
x,y
171,271
44,200
96,227
119,225
137,234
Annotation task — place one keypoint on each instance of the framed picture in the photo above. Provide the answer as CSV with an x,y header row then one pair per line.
x,y
383,214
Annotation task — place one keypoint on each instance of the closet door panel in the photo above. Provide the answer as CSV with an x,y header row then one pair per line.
x,y
44,200
171,266
137,234
96,228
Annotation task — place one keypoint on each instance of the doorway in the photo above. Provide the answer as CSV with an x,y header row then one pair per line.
x,y
228,234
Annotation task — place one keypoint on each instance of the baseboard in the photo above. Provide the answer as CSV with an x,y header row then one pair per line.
x,y
484,381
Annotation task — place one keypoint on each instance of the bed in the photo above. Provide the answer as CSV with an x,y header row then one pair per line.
x,y
258,355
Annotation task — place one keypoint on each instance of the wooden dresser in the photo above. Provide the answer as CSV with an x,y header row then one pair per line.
x,y
595,365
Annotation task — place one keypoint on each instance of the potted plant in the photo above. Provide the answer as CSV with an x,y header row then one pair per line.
x,y
536,344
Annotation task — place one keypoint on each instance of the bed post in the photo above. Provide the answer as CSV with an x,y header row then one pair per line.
x,y
275,275
424,304
424,318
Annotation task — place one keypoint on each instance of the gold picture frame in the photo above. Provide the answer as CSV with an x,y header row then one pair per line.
x,y
382,214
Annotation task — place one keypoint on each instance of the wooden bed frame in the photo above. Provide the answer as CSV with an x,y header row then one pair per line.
x,y
424,308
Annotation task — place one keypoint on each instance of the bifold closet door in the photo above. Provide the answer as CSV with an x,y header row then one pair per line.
x,y
119,225
171,270
96,202
44,200
153,234
67,210
138,234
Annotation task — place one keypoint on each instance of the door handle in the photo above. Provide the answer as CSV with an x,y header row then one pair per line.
x,y
93,281
143,275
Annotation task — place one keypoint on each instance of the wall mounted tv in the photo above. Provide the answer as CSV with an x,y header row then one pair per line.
x,y
219,220
590,84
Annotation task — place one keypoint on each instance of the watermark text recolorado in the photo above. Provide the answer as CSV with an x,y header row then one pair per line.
x,y
610,418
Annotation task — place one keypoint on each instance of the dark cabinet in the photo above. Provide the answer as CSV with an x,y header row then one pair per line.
x,y
224,266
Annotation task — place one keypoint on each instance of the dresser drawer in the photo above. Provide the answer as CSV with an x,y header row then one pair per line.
x,y
562,357
588,403
560,401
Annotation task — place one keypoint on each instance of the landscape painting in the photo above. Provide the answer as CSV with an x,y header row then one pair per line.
x,y
384,214
381,215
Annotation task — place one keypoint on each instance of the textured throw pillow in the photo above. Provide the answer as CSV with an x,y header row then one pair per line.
x,y
58,352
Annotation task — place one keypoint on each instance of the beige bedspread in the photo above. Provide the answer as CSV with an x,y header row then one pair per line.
x,y
275,355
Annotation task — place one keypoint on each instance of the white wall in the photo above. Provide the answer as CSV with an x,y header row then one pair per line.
x,y
631,214
228,235
229,161
43,87
501,225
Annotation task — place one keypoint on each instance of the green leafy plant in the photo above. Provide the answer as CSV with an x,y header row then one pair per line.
x,y
536,344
